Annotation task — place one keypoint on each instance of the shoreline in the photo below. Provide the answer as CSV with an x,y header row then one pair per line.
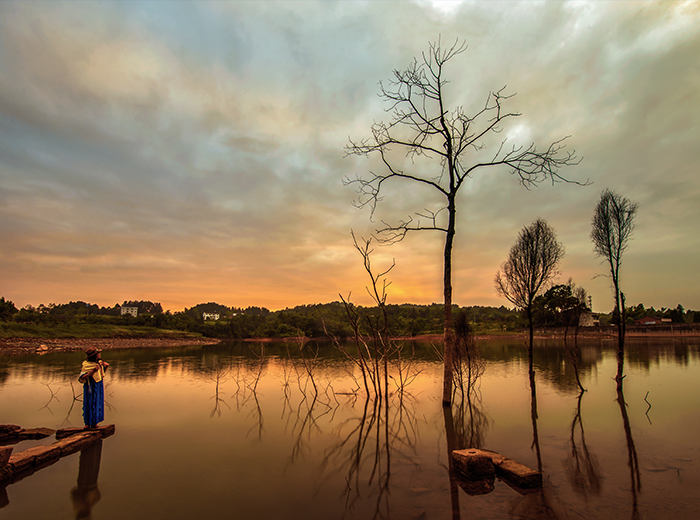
x,y
44,345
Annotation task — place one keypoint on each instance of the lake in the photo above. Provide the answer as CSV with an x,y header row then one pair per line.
x,y
262,431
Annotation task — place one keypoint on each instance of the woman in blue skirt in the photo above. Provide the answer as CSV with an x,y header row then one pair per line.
x,y
92,375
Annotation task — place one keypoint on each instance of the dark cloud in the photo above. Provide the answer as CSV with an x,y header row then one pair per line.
x,y
157,148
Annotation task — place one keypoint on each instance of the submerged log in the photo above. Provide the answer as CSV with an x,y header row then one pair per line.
x,y
470,463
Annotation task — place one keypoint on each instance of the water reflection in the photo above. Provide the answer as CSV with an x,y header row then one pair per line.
x,y
537,502
87,493
454,478
582,466
549,357
218,373
632,461
533,417
367,444
294,436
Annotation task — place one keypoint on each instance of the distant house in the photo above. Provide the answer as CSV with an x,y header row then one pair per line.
x,y
589,319
134,311
210,316
648,320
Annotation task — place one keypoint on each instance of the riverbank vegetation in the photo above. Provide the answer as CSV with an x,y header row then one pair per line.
x,y
83,320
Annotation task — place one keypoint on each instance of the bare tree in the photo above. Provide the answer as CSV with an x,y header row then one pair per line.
x,y
612,227
423,127
530,268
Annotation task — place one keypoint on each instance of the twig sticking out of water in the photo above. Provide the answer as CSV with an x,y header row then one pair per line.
x,y
647,412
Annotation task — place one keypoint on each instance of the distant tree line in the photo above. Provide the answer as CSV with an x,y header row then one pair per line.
x,y
321,320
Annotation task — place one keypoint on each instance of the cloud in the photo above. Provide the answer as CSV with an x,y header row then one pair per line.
x,y
195,151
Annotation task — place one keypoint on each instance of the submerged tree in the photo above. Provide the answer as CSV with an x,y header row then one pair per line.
x,y
423,126
530,268
612,227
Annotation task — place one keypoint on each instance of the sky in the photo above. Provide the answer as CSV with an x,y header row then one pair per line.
x,y
188,152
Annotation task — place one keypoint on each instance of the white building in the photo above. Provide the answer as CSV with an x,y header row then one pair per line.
x,y
210,316
134,311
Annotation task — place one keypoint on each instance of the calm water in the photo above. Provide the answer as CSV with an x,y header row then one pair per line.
x,y
232,432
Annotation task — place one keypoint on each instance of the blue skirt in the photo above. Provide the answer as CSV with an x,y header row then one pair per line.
x,y
93,402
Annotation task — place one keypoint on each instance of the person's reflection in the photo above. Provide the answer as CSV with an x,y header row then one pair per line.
x,y
86,494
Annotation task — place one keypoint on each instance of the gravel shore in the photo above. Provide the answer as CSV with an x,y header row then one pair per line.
x,y
42,345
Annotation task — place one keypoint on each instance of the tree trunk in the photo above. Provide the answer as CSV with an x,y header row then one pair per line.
x,y
619,308
531,344
449,331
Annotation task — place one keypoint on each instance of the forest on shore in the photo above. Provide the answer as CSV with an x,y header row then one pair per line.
x,y
213,320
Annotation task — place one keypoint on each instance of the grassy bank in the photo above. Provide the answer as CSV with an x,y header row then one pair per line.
x,y
88,331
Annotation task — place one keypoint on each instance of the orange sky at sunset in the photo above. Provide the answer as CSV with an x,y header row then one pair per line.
x,y
193,152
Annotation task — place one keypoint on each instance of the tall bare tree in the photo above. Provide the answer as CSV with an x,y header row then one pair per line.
x,y
529,270
612,227
421,127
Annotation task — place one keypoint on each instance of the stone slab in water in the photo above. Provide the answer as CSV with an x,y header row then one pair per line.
x,y
507,469
473,463
35,433
519,474
14,433
32,459
5,452
44,454
105,431
21,461
9,428
77,442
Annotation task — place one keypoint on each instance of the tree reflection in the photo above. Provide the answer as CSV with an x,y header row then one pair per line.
x,y
53,396
582,466
247,379
632,462
534,417
218,373
385,430
308,413
536,502
465,421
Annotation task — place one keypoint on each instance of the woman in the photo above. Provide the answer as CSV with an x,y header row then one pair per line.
x,y
92,374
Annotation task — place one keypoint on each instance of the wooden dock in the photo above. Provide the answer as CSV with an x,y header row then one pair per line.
x,y
14,467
